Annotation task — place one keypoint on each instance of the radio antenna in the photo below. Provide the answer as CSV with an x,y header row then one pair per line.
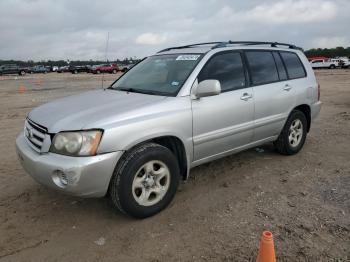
x,y
106,57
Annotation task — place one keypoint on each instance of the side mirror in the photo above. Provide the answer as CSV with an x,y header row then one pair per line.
x,y
208,87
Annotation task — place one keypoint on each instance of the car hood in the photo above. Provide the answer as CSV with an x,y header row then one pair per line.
x,y
82,111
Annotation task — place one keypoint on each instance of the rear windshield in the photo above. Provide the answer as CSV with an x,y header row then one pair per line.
x,y
158,75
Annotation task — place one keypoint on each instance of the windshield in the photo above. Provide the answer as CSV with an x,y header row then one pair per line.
x,y
158,75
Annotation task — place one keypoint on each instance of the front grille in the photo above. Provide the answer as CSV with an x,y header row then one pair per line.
x,y
35,134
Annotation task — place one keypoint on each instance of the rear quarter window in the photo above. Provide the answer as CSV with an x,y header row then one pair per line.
x,y
294,66
280,67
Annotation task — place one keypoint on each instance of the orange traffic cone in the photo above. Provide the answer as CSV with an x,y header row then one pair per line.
x,y
22,89
267,249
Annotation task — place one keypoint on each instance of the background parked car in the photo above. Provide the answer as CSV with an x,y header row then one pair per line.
x,y
125,68
62,69
79,69
317,58
39,69
107,68
336,61
13,69
344,62
324,63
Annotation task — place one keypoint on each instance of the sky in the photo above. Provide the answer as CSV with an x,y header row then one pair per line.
x,y
78,29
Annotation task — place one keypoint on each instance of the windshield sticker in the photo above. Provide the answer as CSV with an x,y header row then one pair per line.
x,y
174,83
188,57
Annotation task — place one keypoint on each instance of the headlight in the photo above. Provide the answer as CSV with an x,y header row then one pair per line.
x,y
82,143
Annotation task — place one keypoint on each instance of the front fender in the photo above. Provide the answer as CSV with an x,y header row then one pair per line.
x,y
173,118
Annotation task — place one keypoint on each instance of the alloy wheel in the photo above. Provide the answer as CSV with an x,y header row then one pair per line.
x,y
151,183
295,133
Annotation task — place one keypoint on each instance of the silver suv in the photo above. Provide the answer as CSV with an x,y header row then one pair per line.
x,y
175,110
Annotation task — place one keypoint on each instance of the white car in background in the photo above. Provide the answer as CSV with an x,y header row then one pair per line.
x,y
345,62
325,63
336,61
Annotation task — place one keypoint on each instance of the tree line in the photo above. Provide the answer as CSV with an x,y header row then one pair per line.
x,y
326,52
125,61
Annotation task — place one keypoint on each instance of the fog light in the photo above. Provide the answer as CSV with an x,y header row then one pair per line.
x,y
60,178
63,179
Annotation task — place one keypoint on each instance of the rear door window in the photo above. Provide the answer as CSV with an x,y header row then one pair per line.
x,y
280,67
295,68
227,68
262,67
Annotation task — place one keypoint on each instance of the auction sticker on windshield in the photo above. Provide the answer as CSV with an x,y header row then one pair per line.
x,y
187,57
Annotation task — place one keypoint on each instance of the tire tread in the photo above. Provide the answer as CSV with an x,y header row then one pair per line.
x,y
119,170
282,143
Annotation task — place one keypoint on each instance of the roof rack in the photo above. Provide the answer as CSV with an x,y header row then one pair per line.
x,y
225,44
189,46
272,44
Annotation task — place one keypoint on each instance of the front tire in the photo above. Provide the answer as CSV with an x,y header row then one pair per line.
x,y
293,135
145,180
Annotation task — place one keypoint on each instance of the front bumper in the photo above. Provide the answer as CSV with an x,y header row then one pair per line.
x,y
83,176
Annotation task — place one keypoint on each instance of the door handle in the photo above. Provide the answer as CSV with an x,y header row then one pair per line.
x,y
287,87
246,96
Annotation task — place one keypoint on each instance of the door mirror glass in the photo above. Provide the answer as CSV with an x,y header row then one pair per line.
x,y
208,87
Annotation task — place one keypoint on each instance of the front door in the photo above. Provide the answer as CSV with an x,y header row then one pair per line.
x,y
223,122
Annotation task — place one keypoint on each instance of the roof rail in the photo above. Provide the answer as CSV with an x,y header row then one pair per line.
x,y
189,46
225,44
272,44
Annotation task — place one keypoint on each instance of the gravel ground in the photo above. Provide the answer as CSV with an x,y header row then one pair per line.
x,y
218,215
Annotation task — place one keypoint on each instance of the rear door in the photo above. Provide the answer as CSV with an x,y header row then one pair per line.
x,y
273,92
225,121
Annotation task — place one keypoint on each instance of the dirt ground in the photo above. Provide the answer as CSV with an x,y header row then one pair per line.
x,y
218,215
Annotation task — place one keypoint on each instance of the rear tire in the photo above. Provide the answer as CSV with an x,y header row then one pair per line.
x,y
145,180
293,135
332,66
22,72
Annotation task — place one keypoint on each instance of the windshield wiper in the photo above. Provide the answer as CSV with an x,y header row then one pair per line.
x,y
135,90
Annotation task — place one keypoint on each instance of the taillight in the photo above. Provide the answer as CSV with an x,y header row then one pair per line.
x,y
318,92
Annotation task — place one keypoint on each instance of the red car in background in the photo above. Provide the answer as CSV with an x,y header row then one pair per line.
x,y
317,58
108,68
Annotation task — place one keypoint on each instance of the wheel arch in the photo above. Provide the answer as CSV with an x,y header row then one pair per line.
x,y
175,145
306,110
